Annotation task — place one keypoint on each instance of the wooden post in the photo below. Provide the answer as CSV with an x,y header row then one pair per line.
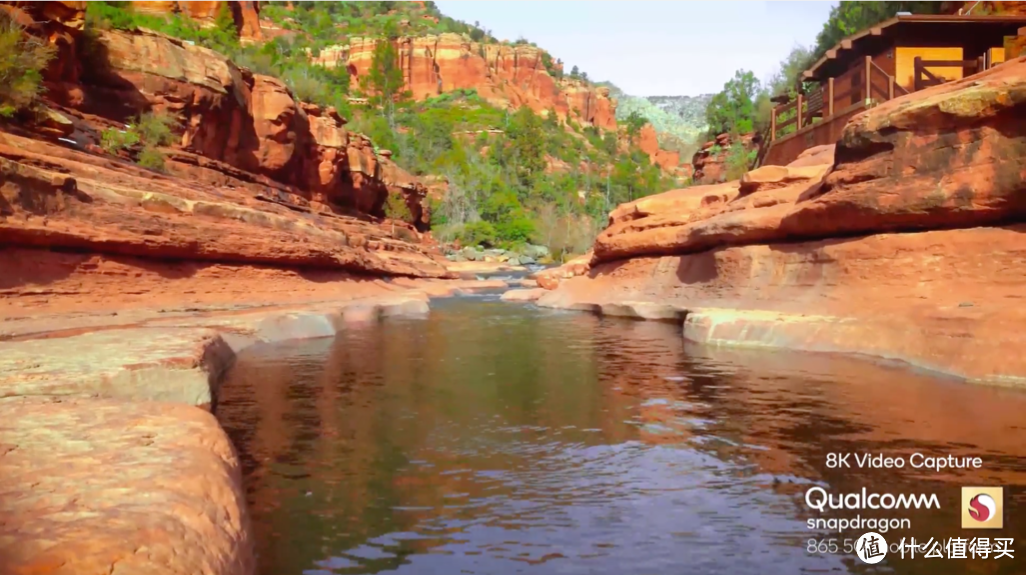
x,y
917,73
830,97
798,112
869,77
773,124
890,87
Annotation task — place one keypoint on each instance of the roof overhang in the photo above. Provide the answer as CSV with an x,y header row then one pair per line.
x,y
997,26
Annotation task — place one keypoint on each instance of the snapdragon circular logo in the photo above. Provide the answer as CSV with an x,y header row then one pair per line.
x,y
982,507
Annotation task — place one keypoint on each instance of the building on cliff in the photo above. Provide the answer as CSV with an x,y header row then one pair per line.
x,y
894,58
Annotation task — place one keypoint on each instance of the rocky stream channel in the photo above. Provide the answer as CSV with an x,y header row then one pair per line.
x,y
490,437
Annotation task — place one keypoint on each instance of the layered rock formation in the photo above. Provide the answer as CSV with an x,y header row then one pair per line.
x,y
256,178
905,243
504,75
648,141
709,164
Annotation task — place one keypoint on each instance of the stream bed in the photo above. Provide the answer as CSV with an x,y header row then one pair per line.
x,y
495,438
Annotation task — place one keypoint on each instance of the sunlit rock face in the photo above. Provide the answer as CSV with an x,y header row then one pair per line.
x,y
903,241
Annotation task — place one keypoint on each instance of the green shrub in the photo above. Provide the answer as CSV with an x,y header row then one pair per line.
x,y
739,161
155,129
113,140
151,130
151,158
22,60
516,231
108,15
477,233
396,208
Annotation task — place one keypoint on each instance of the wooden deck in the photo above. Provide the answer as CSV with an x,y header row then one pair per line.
x,y
815,119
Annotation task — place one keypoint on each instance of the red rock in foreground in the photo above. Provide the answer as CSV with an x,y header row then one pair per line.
x,y
107,486
907,245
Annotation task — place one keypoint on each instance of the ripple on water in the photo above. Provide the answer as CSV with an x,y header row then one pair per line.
x,y
495,438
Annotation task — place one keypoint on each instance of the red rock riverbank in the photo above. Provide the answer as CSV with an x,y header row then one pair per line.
x,y
904,244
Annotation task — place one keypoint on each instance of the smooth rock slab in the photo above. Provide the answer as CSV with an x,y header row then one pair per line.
x,y
644,310
167,363
530,294
107,486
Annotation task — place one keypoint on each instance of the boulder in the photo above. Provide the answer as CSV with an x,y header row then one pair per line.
x,y
534,251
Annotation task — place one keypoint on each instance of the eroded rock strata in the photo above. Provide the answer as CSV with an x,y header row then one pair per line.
x,y
904,242
504,75
125,292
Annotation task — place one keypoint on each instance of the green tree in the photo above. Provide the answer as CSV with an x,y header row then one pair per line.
x,y
385,80
22,60
575,73
395,208
527,148
634,122
733,109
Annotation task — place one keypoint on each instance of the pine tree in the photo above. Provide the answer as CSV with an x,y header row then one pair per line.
x,y
385,80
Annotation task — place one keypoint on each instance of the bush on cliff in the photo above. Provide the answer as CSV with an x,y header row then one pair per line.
x,y
113,140
223,36
150,130
22,60
152,158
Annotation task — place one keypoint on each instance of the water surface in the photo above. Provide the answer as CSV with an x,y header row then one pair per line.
x,y
496,438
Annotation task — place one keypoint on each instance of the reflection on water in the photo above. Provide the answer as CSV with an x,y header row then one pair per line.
x,y
498,438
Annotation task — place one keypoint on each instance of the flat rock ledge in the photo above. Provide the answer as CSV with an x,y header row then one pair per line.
x,y
113,486
110,459
937,347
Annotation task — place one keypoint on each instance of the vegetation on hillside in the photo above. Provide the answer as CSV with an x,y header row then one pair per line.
x,y
679,121
500,188
513,176
22,59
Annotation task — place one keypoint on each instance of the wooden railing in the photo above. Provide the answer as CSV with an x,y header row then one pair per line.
x,y
812,120
820,103
924,78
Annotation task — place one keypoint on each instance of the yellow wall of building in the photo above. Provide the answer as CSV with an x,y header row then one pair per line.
x,y
996,56
904,64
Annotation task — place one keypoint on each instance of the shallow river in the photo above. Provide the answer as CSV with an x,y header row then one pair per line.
x,y
501,438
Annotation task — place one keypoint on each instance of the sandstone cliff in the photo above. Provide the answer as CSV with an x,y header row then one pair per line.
x,y
903,243
710,162
648,141
505,75
256,178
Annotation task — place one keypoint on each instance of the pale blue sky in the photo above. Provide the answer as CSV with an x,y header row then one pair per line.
x,y
651,48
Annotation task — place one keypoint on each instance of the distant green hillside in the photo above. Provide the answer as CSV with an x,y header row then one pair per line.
x,y
689,110
678,120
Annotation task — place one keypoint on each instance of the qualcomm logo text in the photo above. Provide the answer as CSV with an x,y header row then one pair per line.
x,y
820,499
